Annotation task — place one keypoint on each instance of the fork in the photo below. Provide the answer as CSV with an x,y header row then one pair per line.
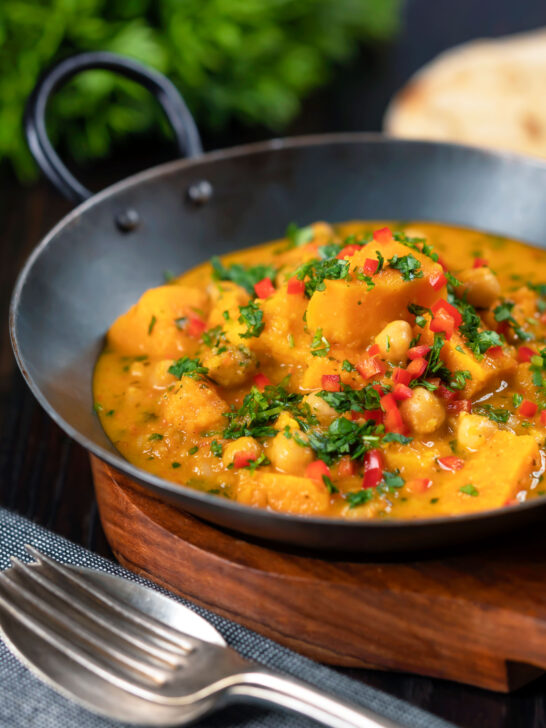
x,y
172,675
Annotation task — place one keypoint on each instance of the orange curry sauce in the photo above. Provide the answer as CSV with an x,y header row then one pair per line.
x,y
361,370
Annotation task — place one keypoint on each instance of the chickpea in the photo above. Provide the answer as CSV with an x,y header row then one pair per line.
x,y
322,411
394,340
473,430
480,286
230,368
246,445
287,455
423,413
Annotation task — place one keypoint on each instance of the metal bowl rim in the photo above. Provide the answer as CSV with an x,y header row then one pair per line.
x,y
143,476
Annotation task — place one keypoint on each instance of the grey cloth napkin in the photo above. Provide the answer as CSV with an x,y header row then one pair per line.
x,y
27,703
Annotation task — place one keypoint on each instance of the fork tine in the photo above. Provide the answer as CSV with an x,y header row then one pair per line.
x,y
91,644
117,628
124,609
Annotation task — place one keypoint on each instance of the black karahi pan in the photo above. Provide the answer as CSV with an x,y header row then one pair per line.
x,y
114,245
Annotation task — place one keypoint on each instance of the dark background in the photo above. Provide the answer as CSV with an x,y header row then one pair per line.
x,y
46,477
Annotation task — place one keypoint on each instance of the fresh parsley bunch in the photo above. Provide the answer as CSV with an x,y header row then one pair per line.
x,y
248,60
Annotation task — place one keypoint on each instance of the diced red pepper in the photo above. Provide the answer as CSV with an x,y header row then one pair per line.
x,y
401,376
543,417
370,366
195,326
525,353
542,318
503,328
401,392
437,281
527,408
443,323
451,463
331,382
416,368
346,467
373,350
392,418
316,470
495,352
372,478
295,286
383,235
376,415
379,389
480,263
459,405
261,381
374,460
443,305
417,352
448,395
264,288
442,262
370,266
348,251
242,459
418,485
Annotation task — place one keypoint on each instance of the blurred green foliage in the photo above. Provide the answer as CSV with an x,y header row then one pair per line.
x,y
249,60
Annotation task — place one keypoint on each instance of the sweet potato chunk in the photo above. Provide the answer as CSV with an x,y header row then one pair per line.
x,y
349,314
149,327
194,406
457,356
286,493
497,471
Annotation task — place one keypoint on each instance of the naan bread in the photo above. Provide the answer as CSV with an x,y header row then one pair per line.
x,y
490,93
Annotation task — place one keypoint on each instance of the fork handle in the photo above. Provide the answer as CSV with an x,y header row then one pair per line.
x,y
291,694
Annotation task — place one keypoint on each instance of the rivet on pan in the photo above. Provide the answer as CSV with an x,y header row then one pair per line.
x,y
199,192
128,220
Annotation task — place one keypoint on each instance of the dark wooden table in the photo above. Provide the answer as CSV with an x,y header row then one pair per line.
x,y
46,477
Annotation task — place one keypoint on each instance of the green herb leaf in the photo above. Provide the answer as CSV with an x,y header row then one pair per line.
x,y
187,367
469,489
243,276
319,345
253,316
408,265
359,497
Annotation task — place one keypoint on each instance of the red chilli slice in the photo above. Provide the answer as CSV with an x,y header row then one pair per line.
x,y
370,266
295,286
316,470
261,381
401,392
528,408
401,376
443,305
495,352
443,323
417,368
370,366
196,326
331,382
525,353
437,281
480,263
392,419
383,235
450,463
417,352
264,288
242,459
348,251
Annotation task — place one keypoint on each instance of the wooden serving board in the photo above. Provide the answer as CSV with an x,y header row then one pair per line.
x,y
477,617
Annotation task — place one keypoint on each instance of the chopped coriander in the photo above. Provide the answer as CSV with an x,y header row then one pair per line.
x,y
168,276
291,341
396,437
503,312
316,271
175,465
254,464
185,366
347,366
330,487
216,448
193,450
110,413
408,265
469,489
253,316
517,399
319,344
241,275
349,399
343,437
434,500
298,236
359,497
98,407
393,481
151,325
155,436
213,337
458,378
496,414
225,314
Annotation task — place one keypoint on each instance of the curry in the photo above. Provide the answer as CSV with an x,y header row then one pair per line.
x,y
363,370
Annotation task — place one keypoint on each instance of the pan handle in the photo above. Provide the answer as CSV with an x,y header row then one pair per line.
x,y
172,103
